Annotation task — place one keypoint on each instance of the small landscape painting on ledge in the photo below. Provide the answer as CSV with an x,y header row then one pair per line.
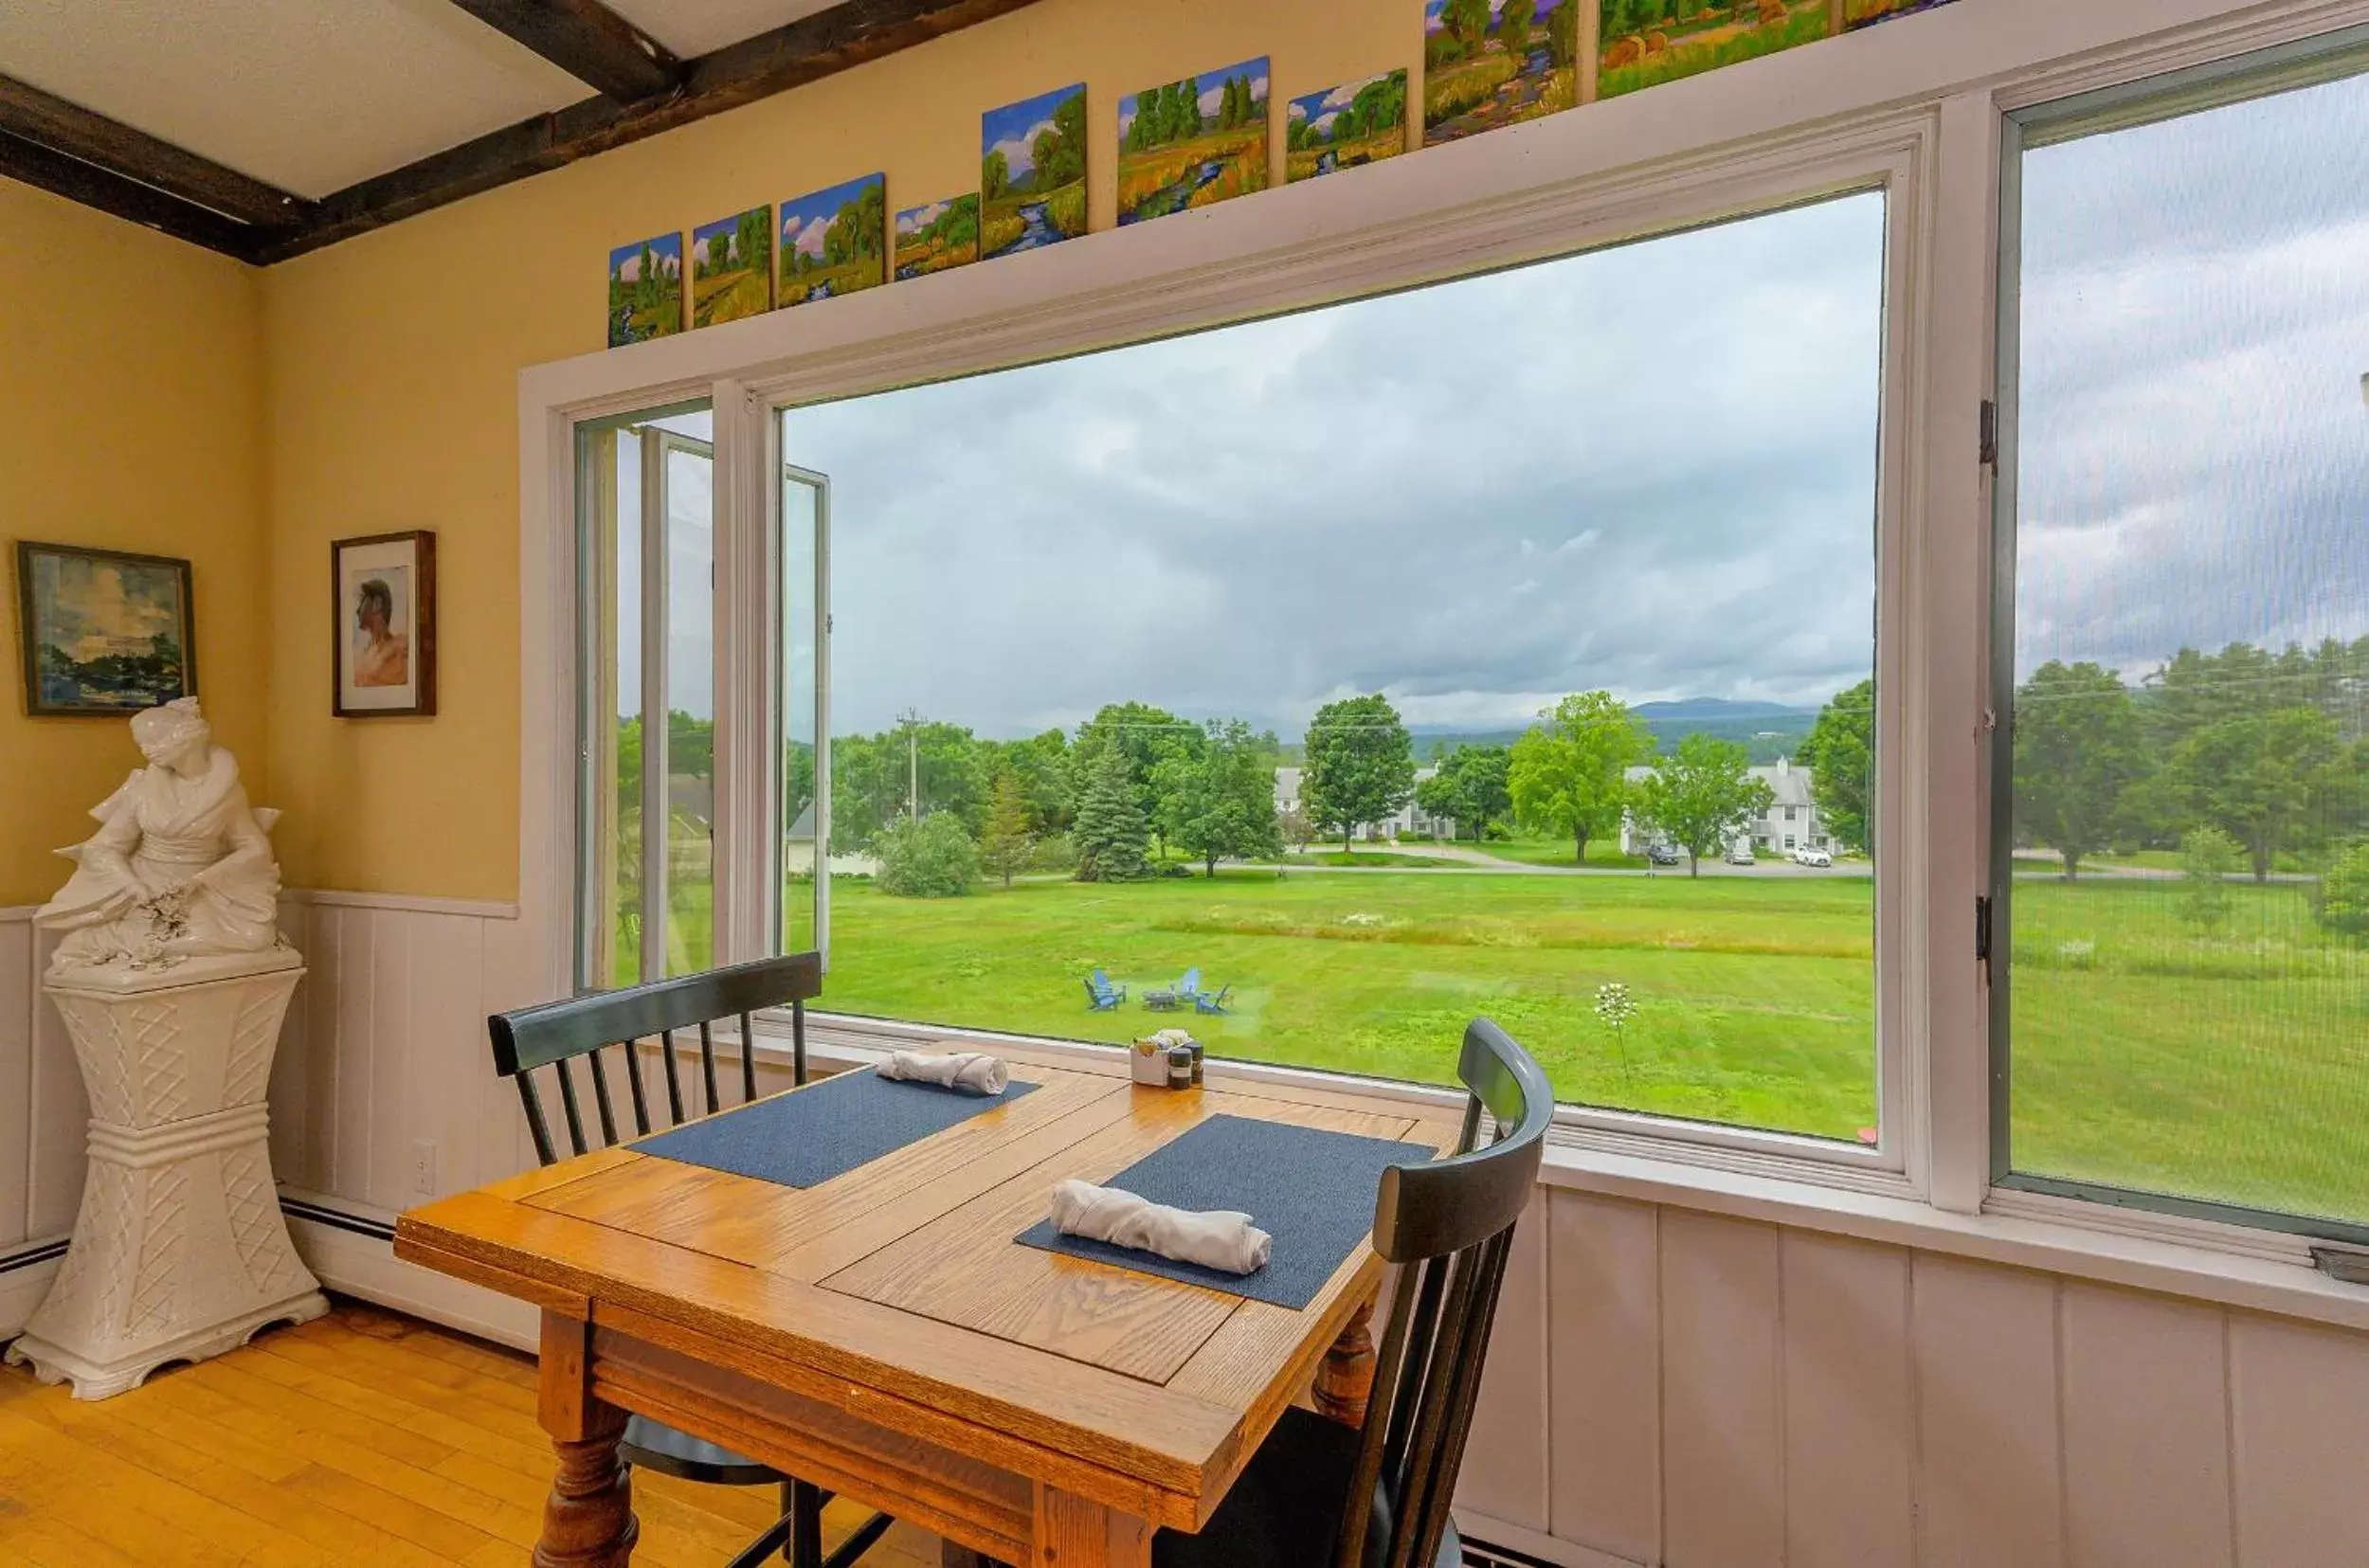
x,y
732,267
1866,13
1650,42
1342,126
105,633
937,236
835,242
644,290
1193,142
1032,172
1493,63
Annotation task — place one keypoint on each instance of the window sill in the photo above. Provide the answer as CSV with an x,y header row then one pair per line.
x,y
2258,1272
2251,1270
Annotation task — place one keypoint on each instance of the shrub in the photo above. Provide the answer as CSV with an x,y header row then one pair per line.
x,y
2343,904
2208,857
931,858
1055,852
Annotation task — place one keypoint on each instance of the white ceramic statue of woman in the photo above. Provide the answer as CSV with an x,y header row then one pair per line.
x,y
182,865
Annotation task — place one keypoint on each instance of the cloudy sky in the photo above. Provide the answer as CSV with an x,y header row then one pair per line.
x,y
2195,442
1650,469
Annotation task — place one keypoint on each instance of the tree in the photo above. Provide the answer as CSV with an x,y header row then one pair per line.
x,y
1219,805
1296,829
1109,835
2263,776
2207,856
1466,22
1562,35
1841,755
995,174
2080,747
1569,773
1470,786
2344,901
1146,736
930,858
1361,765
1041,767
1513,28
1702,795
1007,844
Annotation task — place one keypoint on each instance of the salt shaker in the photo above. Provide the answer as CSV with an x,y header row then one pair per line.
x,y
1197,1059
1181,1066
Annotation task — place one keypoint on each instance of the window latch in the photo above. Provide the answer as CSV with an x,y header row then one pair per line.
x,y
1989,435
2345,1265
1982,928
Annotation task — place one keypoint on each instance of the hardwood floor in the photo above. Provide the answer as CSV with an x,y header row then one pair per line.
x,y
362,1439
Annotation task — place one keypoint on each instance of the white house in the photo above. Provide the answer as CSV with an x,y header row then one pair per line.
x,y
1790,822
1409,818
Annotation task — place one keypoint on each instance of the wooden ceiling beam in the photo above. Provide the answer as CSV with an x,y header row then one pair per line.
x,y
847,35
76,180
32,114
586,40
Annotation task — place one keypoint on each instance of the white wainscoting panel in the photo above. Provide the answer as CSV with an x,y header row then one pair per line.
x,y
16,1074
1722,1394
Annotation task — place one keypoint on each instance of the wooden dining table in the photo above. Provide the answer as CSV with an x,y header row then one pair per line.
x,y
883,1336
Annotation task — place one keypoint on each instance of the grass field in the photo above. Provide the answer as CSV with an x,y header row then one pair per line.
x,y
1450,90
1603,853
804,285
1302,165
1004,228
1168,178
730,295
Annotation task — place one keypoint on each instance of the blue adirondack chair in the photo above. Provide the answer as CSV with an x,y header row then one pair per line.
x,y
1101,996
1212,1002
1189,989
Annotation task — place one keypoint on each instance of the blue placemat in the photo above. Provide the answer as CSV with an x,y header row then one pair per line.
x,y
1313,1191
804,1138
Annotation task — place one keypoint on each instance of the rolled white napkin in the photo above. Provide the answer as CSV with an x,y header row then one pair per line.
x,y
971,1072
1220,1239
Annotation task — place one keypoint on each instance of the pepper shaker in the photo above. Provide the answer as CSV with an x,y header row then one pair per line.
x,y
1179,1067
1197,1053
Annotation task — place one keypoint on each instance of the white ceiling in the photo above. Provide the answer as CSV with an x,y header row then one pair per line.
x,y
315,95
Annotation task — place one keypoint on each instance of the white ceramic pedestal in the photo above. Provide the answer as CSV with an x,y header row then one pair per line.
x,y
179,1251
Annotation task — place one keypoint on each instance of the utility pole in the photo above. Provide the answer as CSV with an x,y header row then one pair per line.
x,y
912,721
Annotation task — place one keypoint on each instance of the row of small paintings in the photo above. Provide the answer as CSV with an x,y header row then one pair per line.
x,y
1190,143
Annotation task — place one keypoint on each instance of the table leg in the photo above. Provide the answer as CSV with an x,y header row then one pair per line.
x,y
1073,1533
588,1520
1345,1380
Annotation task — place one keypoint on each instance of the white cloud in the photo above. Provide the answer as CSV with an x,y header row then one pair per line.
x,y
1019,151
1215,96
1342,97
913,219
1324,126
630,270
810,238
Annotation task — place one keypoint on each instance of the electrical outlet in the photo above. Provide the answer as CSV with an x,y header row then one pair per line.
x,y
424,1170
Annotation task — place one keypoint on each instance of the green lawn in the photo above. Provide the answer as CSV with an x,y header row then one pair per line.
x,y
2230,1063
1603,853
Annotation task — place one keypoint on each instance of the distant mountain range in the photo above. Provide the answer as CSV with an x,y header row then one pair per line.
x,y
1767,730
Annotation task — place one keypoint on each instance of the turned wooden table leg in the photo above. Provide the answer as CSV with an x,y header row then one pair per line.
x,y
1345,1380
588,1520
1073,1533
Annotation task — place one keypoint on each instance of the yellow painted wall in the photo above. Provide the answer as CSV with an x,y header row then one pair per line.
x,y
392,364
130,419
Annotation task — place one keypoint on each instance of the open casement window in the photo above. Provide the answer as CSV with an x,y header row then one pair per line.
x,y
2180,841
648,785
804,710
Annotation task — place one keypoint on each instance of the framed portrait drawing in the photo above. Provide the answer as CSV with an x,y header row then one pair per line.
x,y
106,632
383,598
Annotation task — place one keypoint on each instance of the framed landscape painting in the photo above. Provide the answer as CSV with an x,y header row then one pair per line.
x,y
937,235
732,267
383,605
835,242
1193,142
104,631
1493,62
644,290
1032,172
1342,126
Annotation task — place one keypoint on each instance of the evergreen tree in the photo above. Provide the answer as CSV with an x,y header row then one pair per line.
x,y
1007,844
1110,827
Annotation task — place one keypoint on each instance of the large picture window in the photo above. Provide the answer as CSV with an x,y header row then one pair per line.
x,y
1503,646
2184,860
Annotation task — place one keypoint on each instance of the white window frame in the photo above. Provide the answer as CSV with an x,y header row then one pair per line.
x,y
1917,106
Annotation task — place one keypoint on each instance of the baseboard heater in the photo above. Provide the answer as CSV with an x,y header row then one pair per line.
x,y
377,1229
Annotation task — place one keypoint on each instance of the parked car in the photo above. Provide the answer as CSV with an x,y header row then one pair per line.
x,y
1812,857
1739,855
1662,854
